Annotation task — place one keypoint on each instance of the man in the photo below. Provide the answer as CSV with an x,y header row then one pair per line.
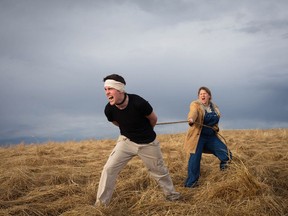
x,y
136,119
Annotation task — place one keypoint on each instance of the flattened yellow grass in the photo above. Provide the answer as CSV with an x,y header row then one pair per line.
x,y
62,178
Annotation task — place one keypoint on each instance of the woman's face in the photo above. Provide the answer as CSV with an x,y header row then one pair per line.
x,y
204,97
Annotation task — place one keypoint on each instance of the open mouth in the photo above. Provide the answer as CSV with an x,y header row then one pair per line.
x,y
110,98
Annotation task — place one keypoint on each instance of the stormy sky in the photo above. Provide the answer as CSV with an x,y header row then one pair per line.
x,y
54,55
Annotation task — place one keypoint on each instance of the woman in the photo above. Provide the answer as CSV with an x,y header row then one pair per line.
x,y
202,136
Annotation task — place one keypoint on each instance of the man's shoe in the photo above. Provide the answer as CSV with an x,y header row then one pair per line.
x,y
173,196
99,204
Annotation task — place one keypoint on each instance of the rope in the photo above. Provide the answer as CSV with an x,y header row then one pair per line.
x,y
203,125
185,121
175,122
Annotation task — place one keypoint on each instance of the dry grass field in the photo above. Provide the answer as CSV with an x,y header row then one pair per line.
x,y
61,178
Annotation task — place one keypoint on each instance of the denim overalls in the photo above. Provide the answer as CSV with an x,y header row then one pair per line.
x,y
209,142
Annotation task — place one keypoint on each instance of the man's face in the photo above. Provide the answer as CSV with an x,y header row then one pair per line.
x,y
114,96
204,97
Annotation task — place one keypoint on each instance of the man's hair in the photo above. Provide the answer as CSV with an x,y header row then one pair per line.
x,y
205,89
115,77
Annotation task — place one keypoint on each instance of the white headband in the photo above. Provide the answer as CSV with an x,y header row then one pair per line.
x,y
115,84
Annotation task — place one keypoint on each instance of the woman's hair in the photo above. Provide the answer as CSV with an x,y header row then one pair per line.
x,y
115,77
205,89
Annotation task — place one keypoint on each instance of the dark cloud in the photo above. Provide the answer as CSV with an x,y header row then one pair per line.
x,y
265,26
54,55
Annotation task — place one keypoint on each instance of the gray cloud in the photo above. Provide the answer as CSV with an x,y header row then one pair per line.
x,y
54,55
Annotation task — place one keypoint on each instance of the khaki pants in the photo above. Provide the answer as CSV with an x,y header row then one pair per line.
x,y
124,151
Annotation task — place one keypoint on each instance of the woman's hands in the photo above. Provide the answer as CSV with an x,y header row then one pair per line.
x,y
190,121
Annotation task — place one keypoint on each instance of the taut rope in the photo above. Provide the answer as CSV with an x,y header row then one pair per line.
x,y
185,121
175,122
